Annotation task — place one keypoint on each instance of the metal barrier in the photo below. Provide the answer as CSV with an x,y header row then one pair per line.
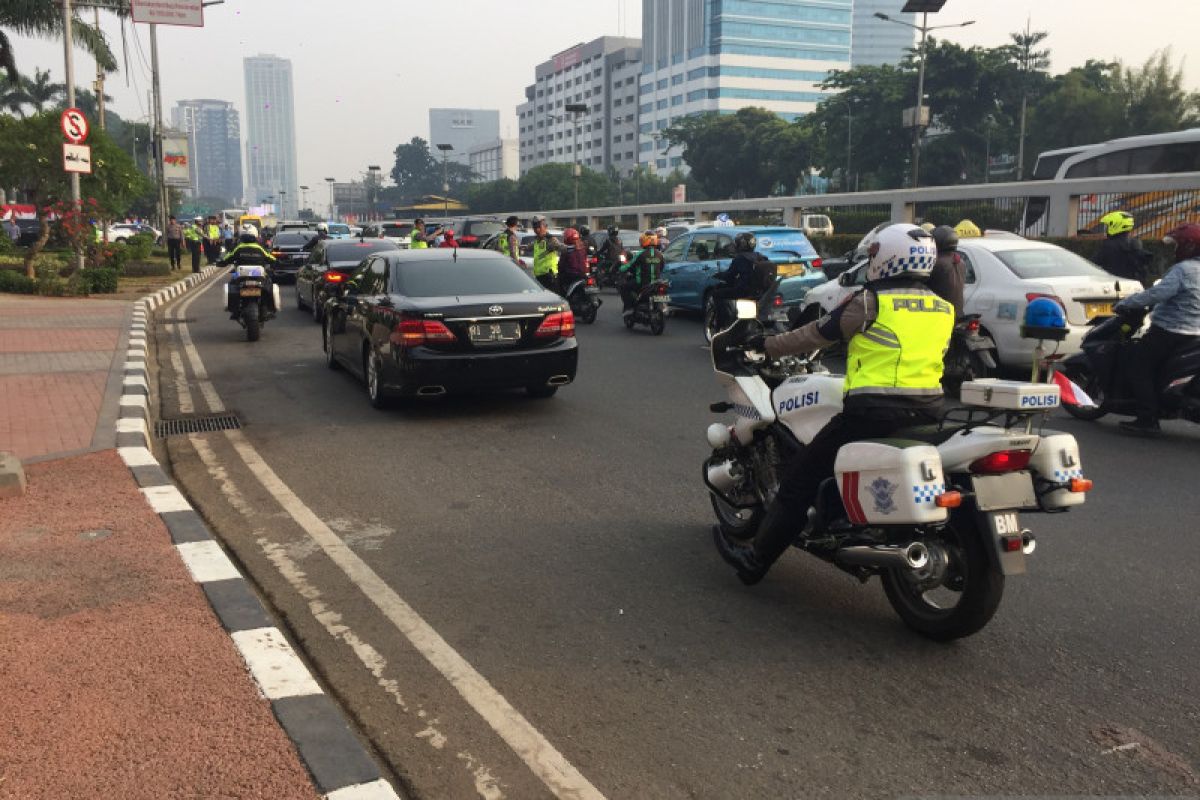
x,y
1036,208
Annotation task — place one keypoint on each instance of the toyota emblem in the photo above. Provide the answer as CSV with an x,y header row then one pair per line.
x,y
496,311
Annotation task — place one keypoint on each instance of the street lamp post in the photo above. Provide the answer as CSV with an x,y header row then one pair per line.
x,y
283,203
924,8
303,198
373,171
445,148
575,109
330,182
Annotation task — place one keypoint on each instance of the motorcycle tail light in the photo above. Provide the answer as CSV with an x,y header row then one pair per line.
x,y
948,500
334,277
973,326
591,281
559,324
778,301
1080,485
1002,461
1012,544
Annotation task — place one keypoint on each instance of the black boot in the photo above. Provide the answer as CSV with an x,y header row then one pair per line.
x,y
775,533
1142,426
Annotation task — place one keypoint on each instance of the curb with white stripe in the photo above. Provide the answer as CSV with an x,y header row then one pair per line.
x,y
340,766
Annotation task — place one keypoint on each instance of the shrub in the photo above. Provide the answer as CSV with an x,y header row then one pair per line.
x,y
143,269
48,270
138,247
837,245
16,282
102,280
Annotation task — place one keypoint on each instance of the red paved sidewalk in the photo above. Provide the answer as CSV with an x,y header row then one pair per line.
x,y
117,679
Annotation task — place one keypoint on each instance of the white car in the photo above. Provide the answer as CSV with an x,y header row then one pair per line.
x,y
817,225
120,231
1004,273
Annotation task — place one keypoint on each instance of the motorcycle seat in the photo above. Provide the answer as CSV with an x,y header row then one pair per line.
x,y
929,434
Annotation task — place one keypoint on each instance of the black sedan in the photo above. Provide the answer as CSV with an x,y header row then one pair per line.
x,y
329,266
289,252
428,322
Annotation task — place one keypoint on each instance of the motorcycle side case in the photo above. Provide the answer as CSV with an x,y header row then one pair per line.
x,y
806,403
1011,395
891,482
1057,459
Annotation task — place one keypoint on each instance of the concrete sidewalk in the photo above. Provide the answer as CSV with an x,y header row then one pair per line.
x,y
123,673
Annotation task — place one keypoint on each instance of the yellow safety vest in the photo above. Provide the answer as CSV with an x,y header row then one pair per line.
x,y
901,353
545,260
414,243
214,232
191,234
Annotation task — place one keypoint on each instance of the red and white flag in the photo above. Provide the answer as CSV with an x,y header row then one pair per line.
x,y
1071,392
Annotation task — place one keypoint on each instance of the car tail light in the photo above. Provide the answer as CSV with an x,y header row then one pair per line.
x,y
816,264
558,324
1002,461
593,260
276,253
417,332
778,301
973,326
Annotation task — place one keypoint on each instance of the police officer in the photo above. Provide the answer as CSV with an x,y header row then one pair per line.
x,y
897,331
1121,253
174,235
508,242
212,241
193,237
546,251
949,273
418,240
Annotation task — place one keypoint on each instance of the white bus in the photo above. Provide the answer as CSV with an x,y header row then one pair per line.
x,y
1154,154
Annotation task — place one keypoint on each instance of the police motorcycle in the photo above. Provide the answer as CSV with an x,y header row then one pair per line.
x,y
250,296
1098,369
650,308
935,511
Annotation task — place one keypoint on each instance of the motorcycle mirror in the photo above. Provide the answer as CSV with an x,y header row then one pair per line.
x,y
747,309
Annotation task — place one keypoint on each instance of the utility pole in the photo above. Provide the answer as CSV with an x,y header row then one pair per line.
x,y
445,148
156,91
575,109
68,47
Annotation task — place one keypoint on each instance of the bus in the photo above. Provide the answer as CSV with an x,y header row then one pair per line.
x,y
1154,154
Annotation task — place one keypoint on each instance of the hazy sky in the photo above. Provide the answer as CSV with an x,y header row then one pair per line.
x,y
366,71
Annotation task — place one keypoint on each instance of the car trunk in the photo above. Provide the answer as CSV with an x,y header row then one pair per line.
x,y
488,323
1084,298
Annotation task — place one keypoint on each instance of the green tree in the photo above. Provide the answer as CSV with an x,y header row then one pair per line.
x,y
494,196
552,186
1030,62
1082,106
44,19
417,172
40,91
1154,97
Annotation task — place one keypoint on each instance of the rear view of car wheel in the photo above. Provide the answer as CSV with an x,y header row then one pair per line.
x,y
710,317
317,307
327,341
299,299
376,394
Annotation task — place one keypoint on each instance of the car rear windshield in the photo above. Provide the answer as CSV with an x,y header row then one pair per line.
x,y
466,277
397,230
291,238
1048,262
483,228
785,246
342,252
339,229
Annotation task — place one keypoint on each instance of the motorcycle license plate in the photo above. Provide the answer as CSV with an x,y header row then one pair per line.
x,y
251,292
592,289
661,298
1091,310
494,332
1004,525
1012,490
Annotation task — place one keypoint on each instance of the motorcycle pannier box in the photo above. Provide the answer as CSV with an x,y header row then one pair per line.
x,y
1010,395
1057,459
891,482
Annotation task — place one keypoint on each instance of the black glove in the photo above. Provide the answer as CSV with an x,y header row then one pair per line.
x,y
756,341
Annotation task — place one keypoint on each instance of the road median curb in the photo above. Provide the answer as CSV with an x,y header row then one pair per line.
x,y
341,768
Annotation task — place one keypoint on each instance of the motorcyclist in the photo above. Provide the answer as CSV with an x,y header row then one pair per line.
x,y
249,252
897,331
1174,324
644,270
610,251
949,272
546,250
738,280
1121,253
661,233
572,265
322,235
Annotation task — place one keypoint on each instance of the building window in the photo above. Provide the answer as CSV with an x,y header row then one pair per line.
x,y
598,108
616,156
647,88
646,108
616,140
662,84
677,100
644,127
661,163
646,147
660,105
660,125
676,80
617,102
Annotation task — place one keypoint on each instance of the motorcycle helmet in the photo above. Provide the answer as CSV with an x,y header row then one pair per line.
x,y
967,229
198,219
946,239
1044,319
1117,222
584,231
660,232
1186,241
249,230
570,236
745,242
928,227
247,238
614,232
901,251
322,227
648,239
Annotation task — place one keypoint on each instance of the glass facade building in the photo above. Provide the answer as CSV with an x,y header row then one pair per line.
x,y
463,129
215,147
701,56
876,41
271,134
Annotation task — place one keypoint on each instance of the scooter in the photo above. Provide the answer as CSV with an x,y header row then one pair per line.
x,y
1099,369
934,511
251,298
971,355
583,295
650,308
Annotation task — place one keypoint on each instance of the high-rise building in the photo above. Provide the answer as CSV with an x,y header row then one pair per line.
x,y
876,41
494,160
703,56
602,75
462,128
214,147
271,134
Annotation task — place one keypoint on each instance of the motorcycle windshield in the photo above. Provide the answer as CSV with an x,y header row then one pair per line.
x,y
725,358
251,271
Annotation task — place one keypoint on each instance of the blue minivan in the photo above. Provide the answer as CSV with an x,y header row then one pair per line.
x,y
696,256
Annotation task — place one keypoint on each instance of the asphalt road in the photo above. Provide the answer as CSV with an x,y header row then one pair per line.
x,y
562,548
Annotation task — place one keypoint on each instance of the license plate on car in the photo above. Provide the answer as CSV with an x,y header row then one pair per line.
x,y
1013,490
1091,310
494,332
251,292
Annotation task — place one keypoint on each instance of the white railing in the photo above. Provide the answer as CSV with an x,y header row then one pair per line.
x,y
1062,212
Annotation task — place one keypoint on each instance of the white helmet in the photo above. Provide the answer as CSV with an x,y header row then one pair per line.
x,y
660,231
322,227
901,251
250,229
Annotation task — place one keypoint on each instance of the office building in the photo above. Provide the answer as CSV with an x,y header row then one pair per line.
x,y
718,56
214,147
494,160
602,75
351,201
271,134
462,128
877,42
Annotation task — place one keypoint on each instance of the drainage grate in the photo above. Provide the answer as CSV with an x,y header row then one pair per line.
x,y
174,321
197,424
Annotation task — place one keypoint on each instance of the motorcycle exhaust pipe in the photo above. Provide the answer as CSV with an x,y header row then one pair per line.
x,y
724,476
431,391
1028,542
559,380
885,556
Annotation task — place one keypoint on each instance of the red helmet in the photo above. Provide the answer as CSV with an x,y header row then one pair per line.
x,y
1186,240
570,236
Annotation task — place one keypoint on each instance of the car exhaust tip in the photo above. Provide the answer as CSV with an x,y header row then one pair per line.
x,y
431,391
559,380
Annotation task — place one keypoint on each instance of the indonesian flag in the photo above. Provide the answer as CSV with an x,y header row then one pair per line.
x,y
1071,392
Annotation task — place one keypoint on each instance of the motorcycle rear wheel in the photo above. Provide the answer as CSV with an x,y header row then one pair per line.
x,y
250,320
1086,380
658,323
588,313
971,575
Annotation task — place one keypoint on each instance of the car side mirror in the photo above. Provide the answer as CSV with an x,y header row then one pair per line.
x,y
846,278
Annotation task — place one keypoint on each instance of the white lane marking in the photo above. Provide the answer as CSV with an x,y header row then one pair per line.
x,y
486,785
549,765
137,457
165,499
375,790
274,664
184,395
207,561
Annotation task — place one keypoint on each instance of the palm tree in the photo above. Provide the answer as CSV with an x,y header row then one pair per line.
x,y
13,99
40,91
44,19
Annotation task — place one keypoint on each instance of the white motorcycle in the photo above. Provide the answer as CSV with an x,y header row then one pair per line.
x,y
935,511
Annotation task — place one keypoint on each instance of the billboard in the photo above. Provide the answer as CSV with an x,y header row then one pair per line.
x,y
568,59
176,161
169,12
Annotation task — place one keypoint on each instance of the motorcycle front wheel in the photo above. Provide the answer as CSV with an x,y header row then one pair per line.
x,y
1085,379
736,523
963,599
250,320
